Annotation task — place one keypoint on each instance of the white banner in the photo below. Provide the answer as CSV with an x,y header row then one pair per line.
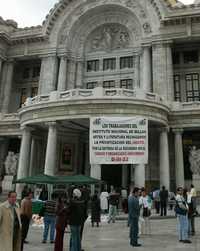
x,y
118,140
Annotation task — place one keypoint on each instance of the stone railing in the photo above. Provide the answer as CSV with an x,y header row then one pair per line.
x,y
96,93
177,106
9,117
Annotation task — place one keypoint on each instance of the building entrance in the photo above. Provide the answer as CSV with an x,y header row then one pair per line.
x,y
112,175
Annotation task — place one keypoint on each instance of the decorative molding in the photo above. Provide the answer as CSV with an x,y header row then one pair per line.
x,y
81,9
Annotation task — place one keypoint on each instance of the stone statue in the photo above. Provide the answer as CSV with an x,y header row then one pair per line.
x,y
11,163
194,159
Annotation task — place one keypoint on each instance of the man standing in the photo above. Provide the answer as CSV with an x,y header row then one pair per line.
x,y
26,215
133,213
181,210
76,219
49,219
10,224
113,202
163,201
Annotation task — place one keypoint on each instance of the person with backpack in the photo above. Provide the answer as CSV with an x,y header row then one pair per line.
x,y
181,210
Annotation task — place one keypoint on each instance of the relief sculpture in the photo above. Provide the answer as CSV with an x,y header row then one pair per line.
x,y
109,38
194,159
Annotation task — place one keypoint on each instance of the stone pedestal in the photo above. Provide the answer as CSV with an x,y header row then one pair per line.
x,y
196,182
7,183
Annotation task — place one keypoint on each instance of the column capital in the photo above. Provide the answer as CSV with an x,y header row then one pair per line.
x,y
63,56
2,58
162,43
10,60
48,55
178,130
146,45
27,128
51,124
164,129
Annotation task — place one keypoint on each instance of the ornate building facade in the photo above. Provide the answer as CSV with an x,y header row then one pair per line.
x,y
102,58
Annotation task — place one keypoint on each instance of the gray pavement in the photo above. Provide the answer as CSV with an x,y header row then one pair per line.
x,y
114,237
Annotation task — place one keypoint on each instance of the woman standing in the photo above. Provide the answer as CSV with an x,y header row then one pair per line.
x,y
146,204
95,210
61,223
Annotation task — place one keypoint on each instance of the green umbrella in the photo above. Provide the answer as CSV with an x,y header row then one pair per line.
x,y
77,179
47,179
37,179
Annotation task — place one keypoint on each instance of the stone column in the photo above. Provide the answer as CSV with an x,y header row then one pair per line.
x,y
139,179
124,175
137,71
72,74
48,75
1,82
95,171
132,170
163,70
87,161
32,157
170,72
4,142
62,77
179,163
164,159
24,157
1,61
79,74
7,86
146,85
50,160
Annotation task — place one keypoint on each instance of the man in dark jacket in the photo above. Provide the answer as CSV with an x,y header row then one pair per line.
x,y
76,219
163,201
134,212
113,202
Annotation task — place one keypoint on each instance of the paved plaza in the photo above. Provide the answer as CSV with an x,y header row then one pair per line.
x,y
114,237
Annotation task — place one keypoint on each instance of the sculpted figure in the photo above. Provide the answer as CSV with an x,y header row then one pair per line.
x,y
11,163
194,159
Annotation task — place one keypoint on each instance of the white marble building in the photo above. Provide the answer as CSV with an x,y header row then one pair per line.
x,y
102,58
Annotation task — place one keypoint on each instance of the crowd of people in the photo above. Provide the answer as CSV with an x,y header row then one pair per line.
x,y
71,210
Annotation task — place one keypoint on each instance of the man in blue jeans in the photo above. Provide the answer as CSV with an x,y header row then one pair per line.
x,y
113,202
181,212
133,214
49,219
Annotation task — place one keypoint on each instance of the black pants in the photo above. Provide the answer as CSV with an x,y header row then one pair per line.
x,y
25,227
193,224
157,206
163,207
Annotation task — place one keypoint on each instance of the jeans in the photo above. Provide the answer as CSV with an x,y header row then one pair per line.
x,y
112,213
49,221
75,239
134,230
182,227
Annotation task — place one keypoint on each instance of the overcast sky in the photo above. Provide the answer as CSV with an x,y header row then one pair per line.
x,y
31,12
